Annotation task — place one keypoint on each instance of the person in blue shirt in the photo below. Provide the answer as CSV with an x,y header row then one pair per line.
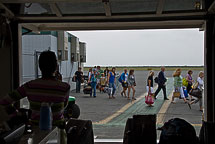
x,y
111,80
161,83
123,79
93,81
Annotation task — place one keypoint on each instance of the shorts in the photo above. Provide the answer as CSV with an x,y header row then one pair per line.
x,y
147,88
124,85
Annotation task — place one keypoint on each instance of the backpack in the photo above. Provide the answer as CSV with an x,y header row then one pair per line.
x,y
178,131
184,82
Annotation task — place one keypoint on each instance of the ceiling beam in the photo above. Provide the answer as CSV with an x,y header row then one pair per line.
x,y
55,9
46,1
160,6
113,17
55,1
120,25
107,8
31,27
10,13
212,8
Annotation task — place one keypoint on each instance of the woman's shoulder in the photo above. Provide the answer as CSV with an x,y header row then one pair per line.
x,y
198,79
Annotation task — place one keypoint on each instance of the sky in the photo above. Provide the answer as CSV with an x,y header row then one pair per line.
x,y
143,47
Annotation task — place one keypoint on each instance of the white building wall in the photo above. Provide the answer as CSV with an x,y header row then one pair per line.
x,y
39,43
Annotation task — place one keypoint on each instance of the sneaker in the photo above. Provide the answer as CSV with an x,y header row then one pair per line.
x,y
166,99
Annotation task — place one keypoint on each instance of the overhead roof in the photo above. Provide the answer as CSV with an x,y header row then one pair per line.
x,y
105,14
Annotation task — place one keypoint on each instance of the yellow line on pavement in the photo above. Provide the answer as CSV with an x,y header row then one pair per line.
x,y
123,109
161,113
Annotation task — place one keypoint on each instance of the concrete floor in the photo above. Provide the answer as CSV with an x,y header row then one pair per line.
x,y
109,115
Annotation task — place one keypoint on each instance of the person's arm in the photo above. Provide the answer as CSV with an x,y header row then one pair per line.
x,y
149,81
8,101
67,97
115,79
134,81
108,78
175,81
89,78
75,76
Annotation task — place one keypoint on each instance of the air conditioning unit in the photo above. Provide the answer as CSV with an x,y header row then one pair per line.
x,y
82,51
74,49
62,46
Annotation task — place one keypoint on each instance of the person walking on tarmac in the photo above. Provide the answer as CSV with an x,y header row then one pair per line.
x,y
161,83
78,79
93,82
111,80
124,80
131,84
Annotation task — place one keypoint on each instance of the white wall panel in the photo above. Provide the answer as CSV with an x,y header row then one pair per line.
x,y
32,43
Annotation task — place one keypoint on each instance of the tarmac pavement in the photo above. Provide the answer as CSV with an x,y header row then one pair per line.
x,y
109,115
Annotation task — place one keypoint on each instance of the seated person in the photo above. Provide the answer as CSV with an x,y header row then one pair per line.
x,y
46,89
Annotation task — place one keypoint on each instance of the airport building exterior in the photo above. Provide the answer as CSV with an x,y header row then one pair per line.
x,y
71,53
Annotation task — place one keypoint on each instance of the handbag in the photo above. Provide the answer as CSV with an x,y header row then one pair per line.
x,y
195,85
73,79
176,94
149,99
196,93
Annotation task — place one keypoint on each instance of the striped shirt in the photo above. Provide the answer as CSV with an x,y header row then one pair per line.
x,y
41,90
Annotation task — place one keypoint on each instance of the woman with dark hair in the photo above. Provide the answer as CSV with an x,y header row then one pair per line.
x,y
200,87
190,81
131,84
111,80
123,79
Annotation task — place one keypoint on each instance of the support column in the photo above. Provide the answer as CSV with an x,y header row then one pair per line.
x,y
210,68
208,128
9,53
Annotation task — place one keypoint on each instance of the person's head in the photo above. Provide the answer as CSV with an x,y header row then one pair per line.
x,y
163,68
125,70
151,73
79,68
131,72
113,69
177,72
201,74
103,74
190,72
90,69
94,71
98,67
47,63
106,68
